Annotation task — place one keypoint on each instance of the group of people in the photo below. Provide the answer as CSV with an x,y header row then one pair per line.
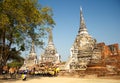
x,y
14,72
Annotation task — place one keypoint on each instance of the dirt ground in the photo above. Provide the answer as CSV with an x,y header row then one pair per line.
x,y
62,80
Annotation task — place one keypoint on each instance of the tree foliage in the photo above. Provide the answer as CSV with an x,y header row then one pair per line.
x,y
22,21
15,63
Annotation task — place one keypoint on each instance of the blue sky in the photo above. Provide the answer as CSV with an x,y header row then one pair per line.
x,y
102,18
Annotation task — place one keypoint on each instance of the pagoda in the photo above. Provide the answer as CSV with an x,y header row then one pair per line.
x,y
31,59
81,51
50,54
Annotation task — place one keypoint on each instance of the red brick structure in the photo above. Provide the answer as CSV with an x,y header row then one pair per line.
x,y
110,60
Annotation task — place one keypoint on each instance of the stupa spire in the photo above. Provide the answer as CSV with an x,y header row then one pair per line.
x,y
82,29
32,48
50,37
50,54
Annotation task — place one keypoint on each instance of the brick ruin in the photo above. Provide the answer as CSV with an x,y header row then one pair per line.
x,y
109,63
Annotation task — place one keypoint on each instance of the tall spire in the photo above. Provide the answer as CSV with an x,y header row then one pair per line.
x,y
32,48
50,40
50,54
82,29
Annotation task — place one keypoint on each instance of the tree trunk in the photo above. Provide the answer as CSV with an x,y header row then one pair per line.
x,y
3,49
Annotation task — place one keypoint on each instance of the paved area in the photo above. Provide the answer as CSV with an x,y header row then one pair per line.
x,y
61,80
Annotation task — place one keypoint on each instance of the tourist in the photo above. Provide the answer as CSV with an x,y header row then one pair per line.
x,y
24,76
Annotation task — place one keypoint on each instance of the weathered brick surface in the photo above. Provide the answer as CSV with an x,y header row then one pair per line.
x,y
109,50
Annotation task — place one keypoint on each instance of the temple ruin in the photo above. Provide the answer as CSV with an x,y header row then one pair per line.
x,y
82,49
31,59
91,57
50,54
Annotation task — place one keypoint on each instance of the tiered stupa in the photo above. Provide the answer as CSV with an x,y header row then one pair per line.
x,y
31,59
82,49
50,54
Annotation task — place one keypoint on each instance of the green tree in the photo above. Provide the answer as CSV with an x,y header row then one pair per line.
x,y
15,63
22,21
15,55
